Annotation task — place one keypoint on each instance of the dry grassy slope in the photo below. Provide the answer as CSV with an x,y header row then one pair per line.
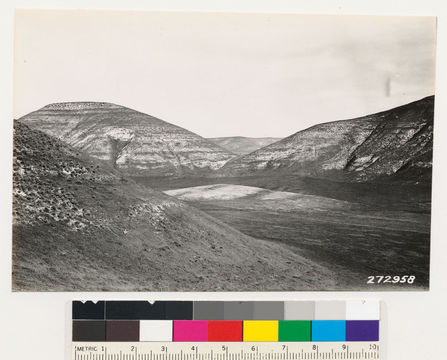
x,y
241,145
360,149
136,143
80,225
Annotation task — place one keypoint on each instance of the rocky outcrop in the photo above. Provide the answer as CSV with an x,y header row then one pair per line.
x,y
392,144
241,145
136,143
400,144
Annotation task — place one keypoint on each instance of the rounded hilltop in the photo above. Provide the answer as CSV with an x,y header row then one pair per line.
x,y
81,105
136,143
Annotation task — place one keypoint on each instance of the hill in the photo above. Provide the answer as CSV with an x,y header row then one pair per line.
x,y
241,145
136,143
393,144
78,224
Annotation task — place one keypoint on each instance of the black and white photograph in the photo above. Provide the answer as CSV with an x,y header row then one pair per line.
x,y
194,151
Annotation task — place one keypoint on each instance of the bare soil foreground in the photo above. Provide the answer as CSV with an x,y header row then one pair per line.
x,y
80,225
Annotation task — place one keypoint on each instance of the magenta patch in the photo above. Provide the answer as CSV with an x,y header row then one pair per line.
x,y
190,330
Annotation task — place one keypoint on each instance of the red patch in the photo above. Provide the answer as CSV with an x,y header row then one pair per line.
x,y
224,330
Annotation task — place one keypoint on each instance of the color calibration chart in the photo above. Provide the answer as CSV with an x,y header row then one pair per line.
x,y
225,330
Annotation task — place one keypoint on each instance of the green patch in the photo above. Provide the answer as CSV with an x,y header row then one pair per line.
x,y
294,331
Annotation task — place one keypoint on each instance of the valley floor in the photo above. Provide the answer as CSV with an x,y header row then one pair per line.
x,y
356,230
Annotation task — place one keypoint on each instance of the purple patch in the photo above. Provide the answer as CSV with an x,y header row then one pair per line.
x,y
362,330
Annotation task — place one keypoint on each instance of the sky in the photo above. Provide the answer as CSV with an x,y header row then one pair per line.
x,y
256,75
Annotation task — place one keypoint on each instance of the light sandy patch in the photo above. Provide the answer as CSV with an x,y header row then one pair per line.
x,y
279,200
214,192
279,195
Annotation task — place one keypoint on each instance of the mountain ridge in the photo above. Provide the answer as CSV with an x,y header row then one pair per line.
x,y
242,145
335,148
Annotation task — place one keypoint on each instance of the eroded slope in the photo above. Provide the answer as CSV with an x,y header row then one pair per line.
x,y
396,144
80,225
138,144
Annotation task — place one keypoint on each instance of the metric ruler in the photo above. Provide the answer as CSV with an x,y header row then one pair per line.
x,y
224,350
233,330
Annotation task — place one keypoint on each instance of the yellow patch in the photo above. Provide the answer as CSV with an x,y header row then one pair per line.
x,y
260,331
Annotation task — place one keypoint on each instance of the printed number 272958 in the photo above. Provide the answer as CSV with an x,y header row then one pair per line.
x,y
383,279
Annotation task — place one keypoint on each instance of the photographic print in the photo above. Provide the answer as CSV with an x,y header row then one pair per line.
x,y
165,151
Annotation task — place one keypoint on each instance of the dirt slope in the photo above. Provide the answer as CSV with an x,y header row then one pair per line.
x,y
80,225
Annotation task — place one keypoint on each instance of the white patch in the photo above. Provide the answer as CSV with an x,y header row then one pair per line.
x,y
279,195
214,192
19,192
122,134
